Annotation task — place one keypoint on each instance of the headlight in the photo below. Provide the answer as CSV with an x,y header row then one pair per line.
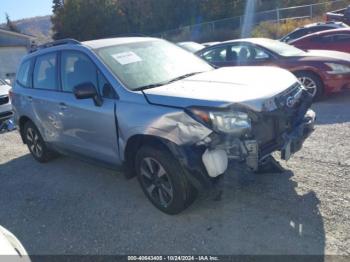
x,y
338,68
230,122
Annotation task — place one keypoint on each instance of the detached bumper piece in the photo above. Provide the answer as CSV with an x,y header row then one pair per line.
x,y
294,140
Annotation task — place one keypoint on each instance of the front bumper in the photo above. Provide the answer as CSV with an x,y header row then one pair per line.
x,y
336,82
294,140
5,108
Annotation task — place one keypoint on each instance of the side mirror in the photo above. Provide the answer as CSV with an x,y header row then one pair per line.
x,y
87,91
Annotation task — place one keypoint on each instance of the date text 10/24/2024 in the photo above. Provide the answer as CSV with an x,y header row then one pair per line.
x,y
173,258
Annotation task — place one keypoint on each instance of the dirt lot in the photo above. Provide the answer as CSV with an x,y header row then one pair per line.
x,y
71,207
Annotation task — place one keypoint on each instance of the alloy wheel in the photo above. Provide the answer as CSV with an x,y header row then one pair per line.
x,y
309,84
156,181
34,143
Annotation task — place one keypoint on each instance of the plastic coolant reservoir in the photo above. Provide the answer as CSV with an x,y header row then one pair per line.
x,y
215,161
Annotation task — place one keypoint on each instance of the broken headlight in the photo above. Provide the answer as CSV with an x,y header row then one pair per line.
x,y
229,122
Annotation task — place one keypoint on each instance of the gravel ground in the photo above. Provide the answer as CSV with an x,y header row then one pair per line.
x,y
71,207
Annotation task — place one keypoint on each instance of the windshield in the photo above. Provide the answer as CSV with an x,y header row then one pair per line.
x,y
148,63
280,48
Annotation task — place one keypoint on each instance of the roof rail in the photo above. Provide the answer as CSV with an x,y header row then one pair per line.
x,y
55,43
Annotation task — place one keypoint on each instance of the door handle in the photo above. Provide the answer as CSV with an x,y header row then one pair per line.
x,y
62,106
29,98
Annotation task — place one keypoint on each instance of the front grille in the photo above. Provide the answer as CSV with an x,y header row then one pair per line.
x,y
270,126
6,115
293,93
4,100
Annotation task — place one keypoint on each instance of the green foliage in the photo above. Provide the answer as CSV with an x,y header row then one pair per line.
x,y
277,30
91,19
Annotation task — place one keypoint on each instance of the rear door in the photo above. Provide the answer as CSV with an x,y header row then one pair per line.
x,y
87,129
44,95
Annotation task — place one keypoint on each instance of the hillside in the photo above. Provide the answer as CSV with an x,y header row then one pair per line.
x,y
39,26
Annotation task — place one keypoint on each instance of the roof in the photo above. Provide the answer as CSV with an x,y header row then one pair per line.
x,y
5,31
325,32
251,40
338,30
95,44
330,24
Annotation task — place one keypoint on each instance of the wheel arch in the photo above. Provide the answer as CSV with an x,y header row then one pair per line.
x,y
21,123
135,142
307,70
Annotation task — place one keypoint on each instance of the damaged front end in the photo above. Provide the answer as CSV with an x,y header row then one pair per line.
x,y
248,137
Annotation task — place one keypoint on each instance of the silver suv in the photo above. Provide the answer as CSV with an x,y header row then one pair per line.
x,y
160,112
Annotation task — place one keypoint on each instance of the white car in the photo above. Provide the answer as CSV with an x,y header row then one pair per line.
x,y
11,247
5,103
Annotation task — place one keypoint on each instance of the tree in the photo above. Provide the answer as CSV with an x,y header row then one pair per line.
x,y
10,25
57,9
91,19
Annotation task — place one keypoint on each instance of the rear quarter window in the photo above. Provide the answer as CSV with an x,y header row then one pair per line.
x,y
23,75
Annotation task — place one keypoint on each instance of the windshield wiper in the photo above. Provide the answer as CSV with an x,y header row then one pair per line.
x,y
182,77
148,87
165,82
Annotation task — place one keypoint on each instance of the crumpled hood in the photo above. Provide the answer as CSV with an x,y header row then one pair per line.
x,y
248,86
329,54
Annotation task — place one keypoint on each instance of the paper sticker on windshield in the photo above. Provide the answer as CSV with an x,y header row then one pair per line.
x,y
127,58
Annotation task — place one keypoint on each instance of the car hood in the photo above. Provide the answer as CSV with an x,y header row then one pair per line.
x,y
333,55
247,86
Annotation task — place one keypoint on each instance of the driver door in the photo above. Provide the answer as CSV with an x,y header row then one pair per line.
x,y
87,129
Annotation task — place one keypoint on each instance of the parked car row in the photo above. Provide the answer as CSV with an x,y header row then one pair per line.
x,y
321,72
160,112
317,54
312,28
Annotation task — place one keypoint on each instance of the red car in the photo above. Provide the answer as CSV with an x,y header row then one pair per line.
x,y
335,39
321,72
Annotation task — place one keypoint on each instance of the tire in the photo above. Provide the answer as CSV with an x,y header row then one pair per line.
x,y
36,144
312,82
163,181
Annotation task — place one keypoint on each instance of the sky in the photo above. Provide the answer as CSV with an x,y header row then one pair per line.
x,y
18,9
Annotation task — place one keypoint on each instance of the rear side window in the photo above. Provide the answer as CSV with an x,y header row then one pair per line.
x,y
45,69
76,68
23,75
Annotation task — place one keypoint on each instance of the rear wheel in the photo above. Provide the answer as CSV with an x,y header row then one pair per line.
x,y
36,144
312,83
162,181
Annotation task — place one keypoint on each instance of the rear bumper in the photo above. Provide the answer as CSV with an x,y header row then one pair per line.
x,y
335,83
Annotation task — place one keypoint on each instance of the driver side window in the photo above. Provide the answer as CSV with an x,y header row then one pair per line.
x,y
76,69
215,55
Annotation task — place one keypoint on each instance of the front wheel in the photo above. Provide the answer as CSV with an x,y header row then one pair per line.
x,y
312,83
162,181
